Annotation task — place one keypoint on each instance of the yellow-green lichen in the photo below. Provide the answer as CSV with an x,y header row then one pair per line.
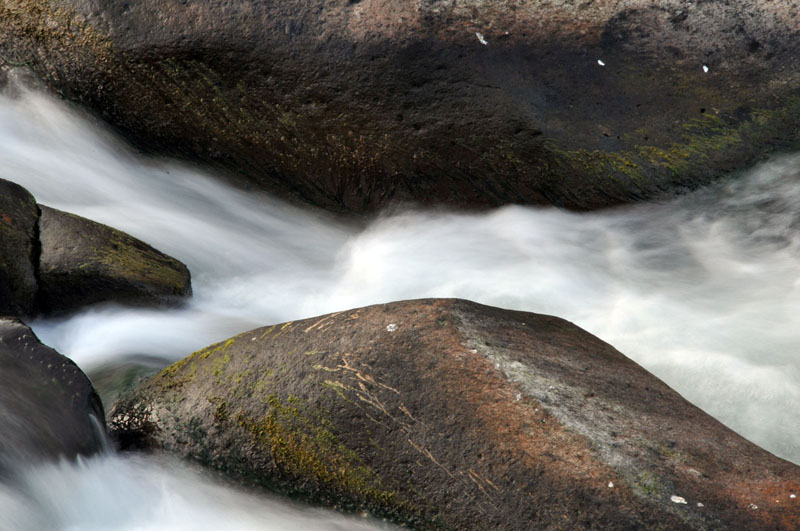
x,y
185,370
650,486
702,139
304,445
126,258
38,25
178,374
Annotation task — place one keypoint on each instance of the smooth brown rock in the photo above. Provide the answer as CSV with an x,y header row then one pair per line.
x,y
353,104
84,262
48,407
449,414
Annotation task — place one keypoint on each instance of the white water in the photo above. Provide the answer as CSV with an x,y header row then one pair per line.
x,y
137,493
702,291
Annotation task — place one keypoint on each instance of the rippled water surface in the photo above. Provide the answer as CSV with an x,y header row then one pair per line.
x,y
703,291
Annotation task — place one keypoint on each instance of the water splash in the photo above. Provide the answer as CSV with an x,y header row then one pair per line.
x,y
702,290
134,493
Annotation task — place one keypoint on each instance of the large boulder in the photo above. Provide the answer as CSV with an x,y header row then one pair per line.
x,y
446,414
18,250
84,262
48,407
352,104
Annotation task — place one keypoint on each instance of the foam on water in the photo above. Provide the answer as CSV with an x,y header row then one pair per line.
x,y
703,291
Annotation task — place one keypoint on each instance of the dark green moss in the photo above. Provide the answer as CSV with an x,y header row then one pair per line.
x,y
703,139
304,446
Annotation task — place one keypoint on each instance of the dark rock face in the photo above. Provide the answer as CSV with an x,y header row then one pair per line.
x,y
84,262
449,414
18,250
54,261
349,105
48,407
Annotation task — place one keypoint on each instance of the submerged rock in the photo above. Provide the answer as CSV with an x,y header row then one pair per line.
x,y
18,250
450,414
85,262
48,407
349,105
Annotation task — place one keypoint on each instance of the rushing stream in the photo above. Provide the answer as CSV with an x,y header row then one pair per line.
x,y
703,291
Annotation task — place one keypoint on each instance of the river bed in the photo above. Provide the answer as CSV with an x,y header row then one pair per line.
x,y
702,290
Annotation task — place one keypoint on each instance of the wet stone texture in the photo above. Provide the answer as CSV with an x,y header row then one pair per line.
x,y
453,415
84,262
48,407
18,250
353,105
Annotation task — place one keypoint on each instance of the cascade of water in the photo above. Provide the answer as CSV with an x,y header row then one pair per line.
x,y
702,290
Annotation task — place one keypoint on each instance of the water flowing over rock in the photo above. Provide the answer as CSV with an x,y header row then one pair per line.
x,y
85,262
353,104
48,407
18,250
445,413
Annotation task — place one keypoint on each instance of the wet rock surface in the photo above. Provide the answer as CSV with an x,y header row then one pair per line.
x,y
353,105
449,414
55,262
18,250
48,407
84,262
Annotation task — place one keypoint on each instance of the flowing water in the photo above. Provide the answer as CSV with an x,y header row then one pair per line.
x,y
703,291
136,493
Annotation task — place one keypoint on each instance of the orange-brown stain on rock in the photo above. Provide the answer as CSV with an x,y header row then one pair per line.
x,y
413,395
519,427
767,500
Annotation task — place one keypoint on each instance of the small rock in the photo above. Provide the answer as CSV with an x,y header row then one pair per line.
x,y
610,484
753,506
677,499
83,262
47,402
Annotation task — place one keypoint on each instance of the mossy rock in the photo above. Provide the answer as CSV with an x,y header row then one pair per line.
x,y
84,262
18,250
446,414
353,105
